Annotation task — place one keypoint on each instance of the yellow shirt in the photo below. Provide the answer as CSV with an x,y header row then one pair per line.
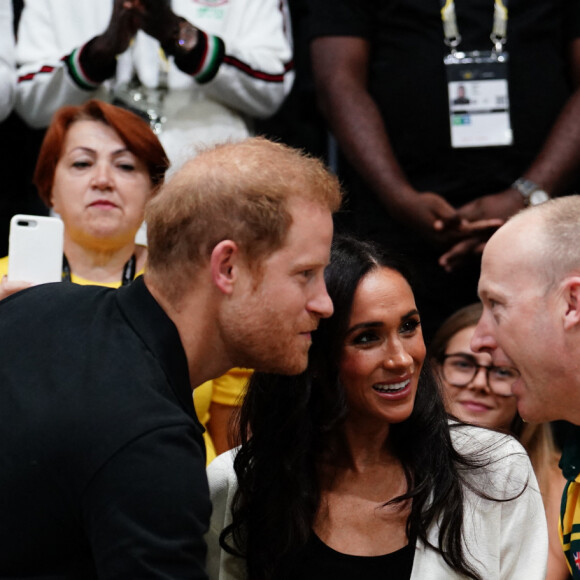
x,y
227,390
74,278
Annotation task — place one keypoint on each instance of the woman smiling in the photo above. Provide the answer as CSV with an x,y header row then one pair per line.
x,y
351,469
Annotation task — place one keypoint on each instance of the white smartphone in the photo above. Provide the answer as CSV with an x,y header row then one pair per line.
x,y
35,248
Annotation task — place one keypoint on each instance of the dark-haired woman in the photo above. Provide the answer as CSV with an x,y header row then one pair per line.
x,y
350,469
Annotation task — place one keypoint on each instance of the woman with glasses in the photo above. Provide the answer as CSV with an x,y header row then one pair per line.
x,y
478,392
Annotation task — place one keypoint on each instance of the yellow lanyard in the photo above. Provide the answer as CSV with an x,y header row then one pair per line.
x,y
498,34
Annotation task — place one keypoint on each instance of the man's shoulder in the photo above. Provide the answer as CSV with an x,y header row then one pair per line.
x,y
48,307
55,293
66,314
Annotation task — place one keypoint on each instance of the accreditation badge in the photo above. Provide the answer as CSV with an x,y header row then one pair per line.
x,y
479,113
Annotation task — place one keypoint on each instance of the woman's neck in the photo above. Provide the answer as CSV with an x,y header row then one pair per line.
x,y
353,516
102,264
363,443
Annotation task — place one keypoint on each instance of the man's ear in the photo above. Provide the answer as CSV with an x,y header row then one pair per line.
x,y
224,261
572,297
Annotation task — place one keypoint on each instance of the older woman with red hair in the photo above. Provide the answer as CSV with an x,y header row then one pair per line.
x,y
97,168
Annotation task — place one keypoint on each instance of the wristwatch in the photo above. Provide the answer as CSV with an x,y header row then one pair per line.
x,y
532,193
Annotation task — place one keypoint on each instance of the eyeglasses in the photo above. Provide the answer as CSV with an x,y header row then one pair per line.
x,y
460,369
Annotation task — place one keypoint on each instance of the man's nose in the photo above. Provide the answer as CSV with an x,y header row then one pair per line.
x,y
321,303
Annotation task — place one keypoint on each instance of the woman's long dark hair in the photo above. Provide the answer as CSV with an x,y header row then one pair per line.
x,y
287,422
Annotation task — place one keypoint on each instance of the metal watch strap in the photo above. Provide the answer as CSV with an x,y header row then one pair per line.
x,y
527,187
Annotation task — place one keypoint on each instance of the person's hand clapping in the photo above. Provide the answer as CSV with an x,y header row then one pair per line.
x,y
124,23
158,19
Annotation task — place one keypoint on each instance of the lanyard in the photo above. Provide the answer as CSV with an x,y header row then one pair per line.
x,y
498,34
126,278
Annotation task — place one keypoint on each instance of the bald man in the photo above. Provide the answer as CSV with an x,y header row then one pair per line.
x,y
530,289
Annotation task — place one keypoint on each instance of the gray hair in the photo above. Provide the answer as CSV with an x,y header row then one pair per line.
x,y
558,222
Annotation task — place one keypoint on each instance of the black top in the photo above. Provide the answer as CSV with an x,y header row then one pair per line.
x,y
319,562
407,80
102,464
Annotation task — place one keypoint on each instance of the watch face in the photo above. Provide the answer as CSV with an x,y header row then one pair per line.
x,y
539,196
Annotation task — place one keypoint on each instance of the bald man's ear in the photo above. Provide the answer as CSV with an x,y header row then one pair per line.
x,y
224,260
572,297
